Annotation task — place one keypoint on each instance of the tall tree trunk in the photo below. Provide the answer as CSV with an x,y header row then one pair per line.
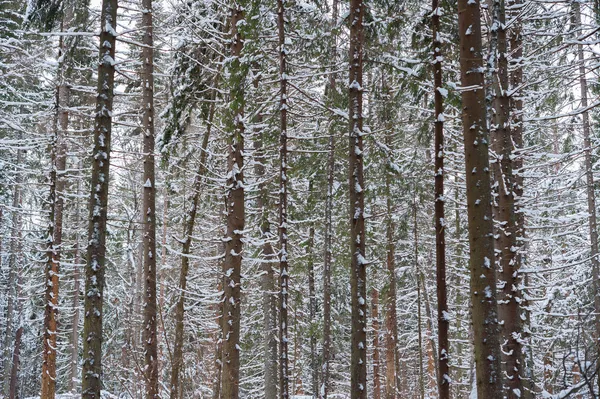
x,y
57,191
96,251
13,272
190,222
589,177
440,226
376,328
12,390
479,207
149,207
391,318
504,213
312,296
358,275
267,279
328,240
283,253
75,320
235,214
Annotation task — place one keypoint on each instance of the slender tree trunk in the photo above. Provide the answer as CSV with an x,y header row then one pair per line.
x,y
75,320
419,300
589,176
12,391
328,240
235,215
149,207
443,382
57,191
190,221
358,275
376,328
312,294
391,319
267,279
283,252
479,207
96,252
504,213
13,272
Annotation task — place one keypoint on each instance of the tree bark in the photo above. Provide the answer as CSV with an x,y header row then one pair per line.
x,y
13,272
391,318
327,258
589,177
504,212
96,252
76,315
479,207
358,275
235,214
12,390
376,360
57,191
283,253
149,207
443,381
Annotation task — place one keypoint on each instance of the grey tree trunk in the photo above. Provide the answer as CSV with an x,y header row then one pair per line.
x,y
94,282
150,341
479,203
358,274
230,374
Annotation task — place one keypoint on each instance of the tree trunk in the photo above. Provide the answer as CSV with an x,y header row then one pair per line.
x,y
443,381
312,295
391,318
479,207
235,215
328,240
149,207
504,213
267,279
12,390
358,275
589,177
190,221
96,252
376,328
75,321
284,377
13,272
57,191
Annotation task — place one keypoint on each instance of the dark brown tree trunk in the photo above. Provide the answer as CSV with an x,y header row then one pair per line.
x,y
12,390
284,378
376,328
504,213
76,315
13,273
479,206
96,251
312,296
589,177
235,215
57,192
328,240
358,275
440,225
391,318
149,207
